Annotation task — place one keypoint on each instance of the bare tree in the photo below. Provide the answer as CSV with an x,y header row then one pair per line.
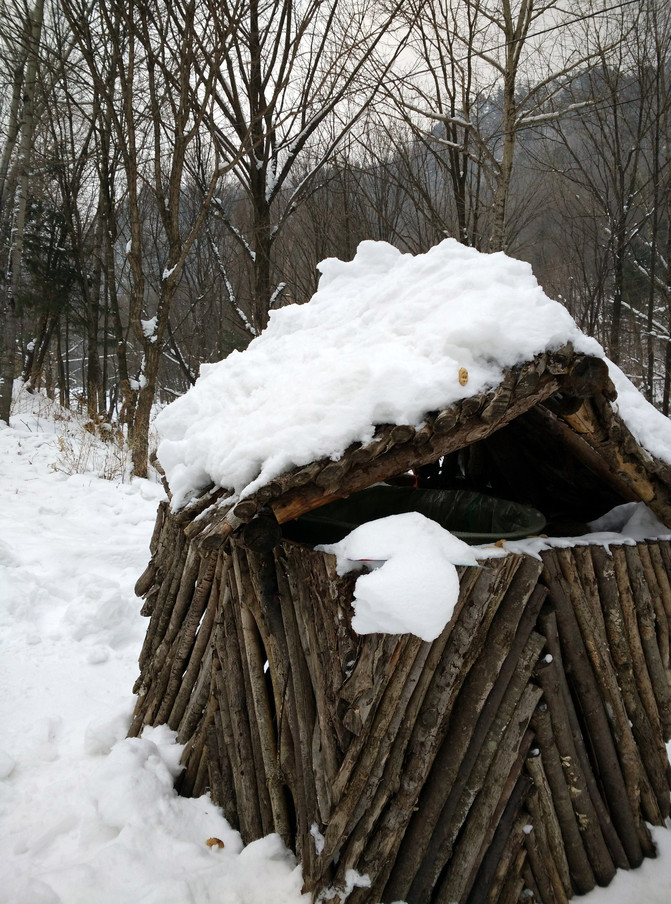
x,y
154,65
486,71
601,155
652,243
19,140
297,81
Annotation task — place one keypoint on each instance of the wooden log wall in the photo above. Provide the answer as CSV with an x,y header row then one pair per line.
x,y
520,756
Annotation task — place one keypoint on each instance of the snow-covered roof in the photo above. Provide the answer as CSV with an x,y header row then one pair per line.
x,y
387,338
396,361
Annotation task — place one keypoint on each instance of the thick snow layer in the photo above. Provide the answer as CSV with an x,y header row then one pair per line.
x,y
383,341
648,425
414,585
86,816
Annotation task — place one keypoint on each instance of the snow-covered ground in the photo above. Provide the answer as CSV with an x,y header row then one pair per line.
x,y
86,816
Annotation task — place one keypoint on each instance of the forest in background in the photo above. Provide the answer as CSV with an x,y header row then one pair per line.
x,y
172,171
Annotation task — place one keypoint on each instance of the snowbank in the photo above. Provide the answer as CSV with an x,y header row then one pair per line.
x,y
382,341
85,814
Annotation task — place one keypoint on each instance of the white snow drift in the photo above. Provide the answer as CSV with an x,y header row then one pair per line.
x,y
87,817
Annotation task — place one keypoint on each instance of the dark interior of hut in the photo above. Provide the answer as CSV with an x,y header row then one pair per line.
x,y
528,462
534,461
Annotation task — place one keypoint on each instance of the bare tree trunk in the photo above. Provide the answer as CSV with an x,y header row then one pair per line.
x,y
63,376
666,403
13,119
141,421
515,29
34,363
497,240
94,387
7,359
618,293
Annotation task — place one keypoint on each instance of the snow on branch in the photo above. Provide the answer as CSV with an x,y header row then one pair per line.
x,y
223,270
234,230
440,117
527,120
276,294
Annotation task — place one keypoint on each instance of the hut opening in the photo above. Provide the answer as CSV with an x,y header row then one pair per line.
x,y
489,730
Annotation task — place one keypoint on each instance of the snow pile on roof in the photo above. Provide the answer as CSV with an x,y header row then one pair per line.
x,y
649,426
382,341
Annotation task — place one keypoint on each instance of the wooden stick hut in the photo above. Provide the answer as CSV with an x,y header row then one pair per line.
x,y
520,755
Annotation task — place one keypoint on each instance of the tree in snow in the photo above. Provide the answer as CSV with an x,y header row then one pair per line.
x,y
613,163
486,71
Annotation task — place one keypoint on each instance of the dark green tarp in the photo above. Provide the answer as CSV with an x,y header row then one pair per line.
x,y
474,517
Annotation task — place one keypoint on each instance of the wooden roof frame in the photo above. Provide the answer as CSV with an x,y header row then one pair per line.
x,y
573,392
